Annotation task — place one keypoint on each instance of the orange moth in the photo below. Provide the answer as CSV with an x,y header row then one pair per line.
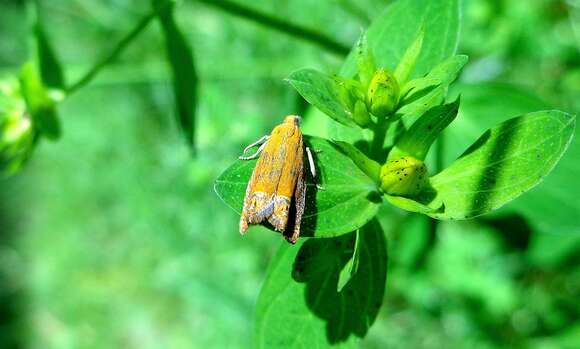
x,y
276,191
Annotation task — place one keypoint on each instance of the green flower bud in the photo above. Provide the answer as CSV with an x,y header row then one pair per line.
x,y
383,94
406,176
16,130
361,115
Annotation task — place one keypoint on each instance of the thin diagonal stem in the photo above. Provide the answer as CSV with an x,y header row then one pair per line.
x,y
113,55
279,25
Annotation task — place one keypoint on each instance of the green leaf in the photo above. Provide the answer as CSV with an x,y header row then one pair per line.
x,y
39,103
418,100
411,205
393,31
48,62
418,85
348,201
416,108
502,164
549,206
299,305
183,68
365,61
409,59
370,167
323,92
351,267
419,138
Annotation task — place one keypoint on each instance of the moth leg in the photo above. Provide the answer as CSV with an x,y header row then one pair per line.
x,y
312,167
256,154
258,142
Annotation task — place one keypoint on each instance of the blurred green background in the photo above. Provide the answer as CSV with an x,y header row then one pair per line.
x,y
112,237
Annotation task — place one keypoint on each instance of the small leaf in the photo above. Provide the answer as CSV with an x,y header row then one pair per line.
x,y
409,59
351,267
49,64
445,73
369,166
448,70
183,68
419,138
416,108
502,164
418,85
39,103
411,205
323,92
365,61
299,305
348,201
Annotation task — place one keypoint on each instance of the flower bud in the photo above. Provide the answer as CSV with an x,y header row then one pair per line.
x,y
383,94
361,115
405,176
16,130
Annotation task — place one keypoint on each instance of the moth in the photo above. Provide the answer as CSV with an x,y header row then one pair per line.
x,y
276,191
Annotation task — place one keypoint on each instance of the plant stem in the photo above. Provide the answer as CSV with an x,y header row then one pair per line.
x,y
279,25
378,141
113,55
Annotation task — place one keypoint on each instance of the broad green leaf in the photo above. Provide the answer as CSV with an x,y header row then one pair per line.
x,y
348,200
395,30
418,139
323,92
502,164
351,267
299,305
549,206
370,167
39,104
49,65
409,59
183,68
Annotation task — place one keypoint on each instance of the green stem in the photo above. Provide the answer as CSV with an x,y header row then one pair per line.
x,y
378,141
279,25
113,55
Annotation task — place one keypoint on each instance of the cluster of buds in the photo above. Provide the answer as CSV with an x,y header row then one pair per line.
x,y
16,129
374,94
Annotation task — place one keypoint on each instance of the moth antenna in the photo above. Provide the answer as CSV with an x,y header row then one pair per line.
x,y
259,141
255,155
312,167
311,162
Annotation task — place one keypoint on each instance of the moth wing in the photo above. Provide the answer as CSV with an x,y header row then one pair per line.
x,y
258,201
300,204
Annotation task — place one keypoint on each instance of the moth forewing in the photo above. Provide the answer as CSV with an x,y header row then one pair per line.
x,y
299,202
274,180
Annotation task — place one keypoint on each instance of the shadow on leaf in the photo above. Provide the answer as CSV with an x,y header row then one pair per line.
x,y
353,310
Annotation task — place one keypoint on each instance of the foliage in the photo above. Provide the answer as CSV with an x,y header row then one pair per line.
x,y
112,236
502,164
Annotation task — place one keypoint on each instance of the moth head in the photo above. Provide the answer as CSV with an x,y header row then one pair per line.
x,y
293,119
